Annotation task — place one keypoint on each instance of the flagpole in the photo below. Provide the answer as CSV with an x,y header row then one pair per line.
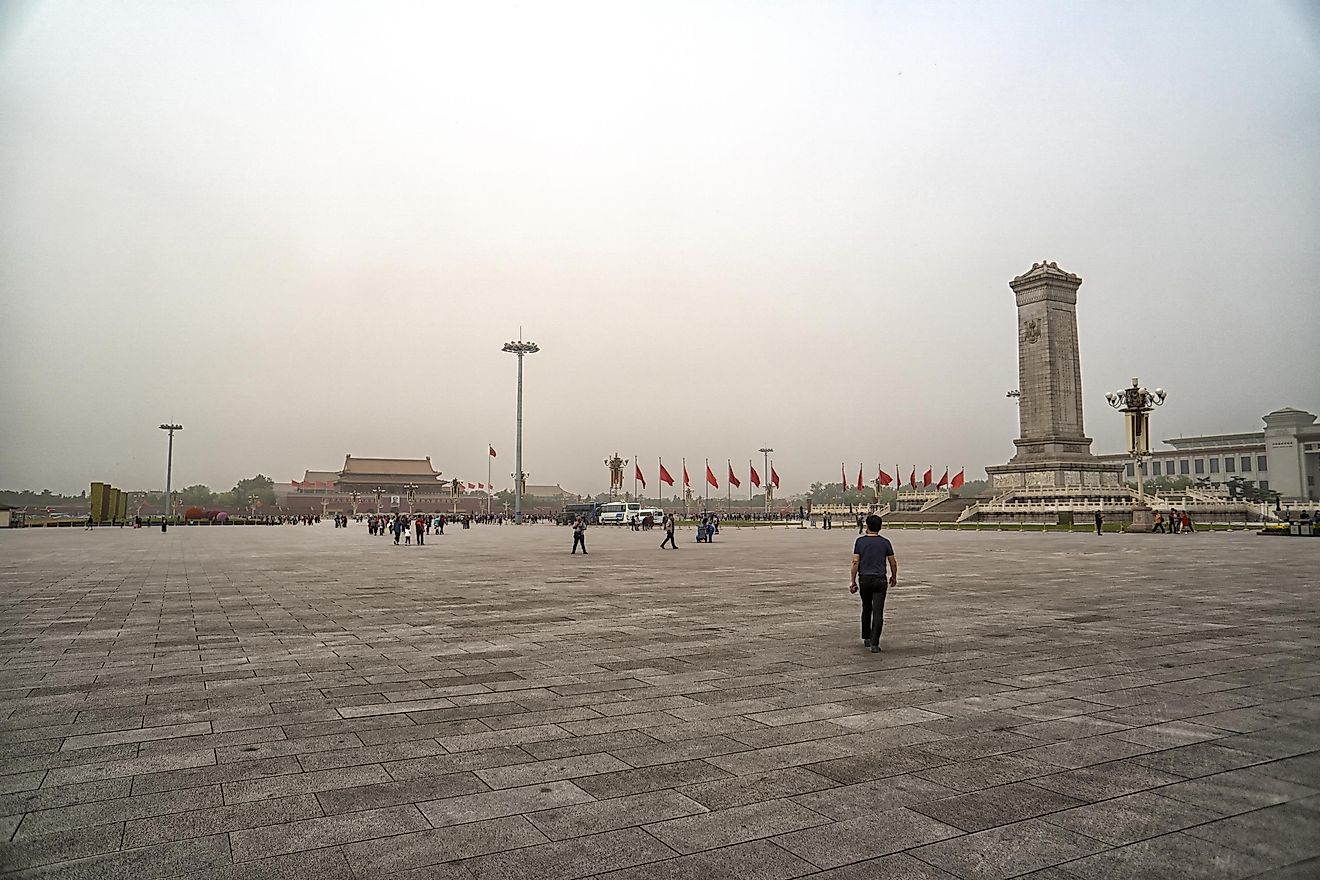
x,y
489,447
750,496
636,497
685,488
706,483
728,489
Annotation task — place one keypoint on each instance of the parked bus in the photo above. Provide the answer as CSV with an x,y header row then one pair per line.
x,y
589,510
619,512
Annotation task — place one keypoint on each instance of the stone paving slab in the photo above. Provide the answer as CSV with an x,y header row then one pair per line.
x,y
314,702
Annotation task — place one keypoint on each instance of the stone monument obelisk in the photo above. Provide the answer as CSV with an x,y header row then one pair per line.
x,y
1053,452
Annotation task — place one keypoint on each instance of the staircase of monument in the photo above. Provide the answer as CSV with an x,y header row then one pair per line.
x,y
943,510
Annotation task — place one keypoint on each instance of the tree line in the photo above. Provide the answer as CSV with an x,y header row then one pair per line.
x,y
241,497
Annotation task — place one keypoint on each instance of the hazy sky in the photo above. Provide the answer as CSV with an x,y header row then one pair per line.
x,y
305,229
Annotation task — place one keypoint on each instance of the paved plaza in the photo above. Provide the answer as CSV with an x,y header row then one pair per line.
x,y
309,702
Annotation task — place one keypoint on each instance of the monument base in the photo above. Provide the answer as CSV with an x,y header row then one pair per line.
x,y
1068,475
1143,519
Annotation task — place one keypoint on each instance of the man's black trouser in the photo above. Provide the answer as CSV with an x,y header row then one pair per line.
x,y
873,589
579,540
669,539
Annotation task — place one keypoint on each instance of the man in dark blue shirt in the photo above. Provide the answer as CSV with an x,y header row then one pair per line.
x,y
871,553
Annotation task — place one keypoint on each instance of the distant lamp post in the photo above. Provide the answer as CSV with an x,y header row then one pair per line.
x,y
411,489
765,476
355,496
520,348
169,474
1135,402
379,492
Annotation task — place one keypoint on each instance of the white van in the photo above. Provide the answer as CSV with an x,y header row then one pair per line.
x,y
619,512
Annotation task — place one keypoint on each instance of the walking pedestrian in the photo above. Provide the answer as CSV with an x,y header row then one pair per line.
x,y
1159,523
669,533
871,553
580,535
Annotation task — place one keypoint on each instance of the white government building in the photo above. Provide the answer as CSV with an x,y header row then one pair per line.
x,y
1284,457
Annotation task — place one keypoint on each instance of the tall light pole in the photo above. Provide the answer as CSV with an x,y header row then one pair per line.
x,y
1135,402
765,475
169,474
519,348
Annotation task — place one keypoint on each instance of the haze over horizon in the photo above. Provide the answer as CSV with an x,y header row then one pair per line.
x,y
305,230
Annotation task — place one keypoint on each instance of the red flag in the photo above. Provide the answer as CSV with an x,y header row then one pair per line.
x,y
944,480
860,484
481,485
774,477
733,478
293,483
756,478
957,480
640,478
664,475
843,477
885,479
686,482
926,478
710,477
492,452
471,485
912,480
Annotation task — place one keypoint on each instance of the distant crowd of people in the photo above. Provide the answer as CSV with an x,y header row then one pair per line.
x,y
1178,522
405,527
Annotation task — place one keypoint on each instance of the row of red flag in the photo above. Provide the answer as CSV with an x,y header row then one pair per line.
x,y
885,479
313,484
734,482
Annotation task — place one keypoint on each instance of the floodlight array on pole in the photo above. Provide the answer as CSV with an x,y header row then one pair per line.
x,y
520,348
169,474
1136,403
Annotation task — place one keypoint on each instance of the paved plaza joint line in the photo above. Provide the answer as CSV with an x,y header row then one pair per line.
x,y
311,702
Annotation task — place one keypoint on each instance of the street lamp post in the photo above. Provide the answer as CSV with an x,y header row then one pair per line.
x,y
169,474
765,475
520,348
355,496
379,492
1135,402
411,489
